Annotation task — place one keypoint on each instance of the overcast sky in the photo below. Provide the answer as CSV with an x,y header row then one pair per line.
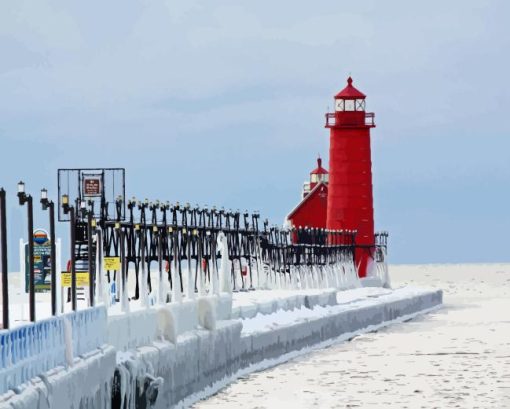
x,y
223,103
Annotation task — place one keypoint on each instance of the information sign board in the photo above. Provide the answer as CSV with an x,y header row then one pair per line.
x,y
92,187
42,262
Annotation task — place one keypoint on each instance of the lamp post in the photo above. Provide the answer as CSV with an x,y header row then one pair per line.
x,y
88,213
123,269
24,198
48,204
3,260
72,241
146,282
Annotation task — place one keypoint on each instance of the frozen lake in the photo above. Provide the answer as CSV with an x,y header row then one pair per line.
x,y
456,357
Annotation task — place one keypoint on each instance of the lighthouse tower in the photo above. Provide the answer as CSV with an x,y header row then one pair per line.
x,y
350,201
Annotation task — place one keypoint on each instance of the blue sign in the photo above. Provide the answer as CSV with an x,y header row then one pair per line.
x,y
42,262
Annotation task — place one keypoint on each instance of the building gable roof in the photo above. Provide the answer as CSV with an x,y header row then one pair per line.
x,y
312,193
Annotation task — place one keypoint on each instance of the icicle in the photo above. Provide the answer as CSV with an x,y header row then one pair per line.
x,y
176,282
225,266
214,278
201,280
143,286
68,340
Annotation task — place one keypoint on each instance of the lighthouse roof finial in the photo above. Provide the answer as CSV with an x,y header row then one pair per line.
x,y
319,170
349,92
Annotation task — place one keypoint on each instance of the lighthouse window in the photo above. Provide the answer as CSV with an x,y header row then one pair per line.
x,y
360,105
339,105
349,105
313,178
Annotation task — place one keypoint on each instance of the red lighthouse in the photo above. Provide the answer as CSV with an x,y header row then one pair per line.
x,y
350,201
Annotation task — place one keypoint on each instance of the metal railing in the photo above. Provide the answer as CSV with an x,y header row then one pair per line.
x,y
381,246
185,240
332,120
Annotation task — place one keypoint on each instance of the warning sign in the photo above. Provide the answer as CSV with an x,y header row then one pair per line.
x,y
82,279
92,187
111,263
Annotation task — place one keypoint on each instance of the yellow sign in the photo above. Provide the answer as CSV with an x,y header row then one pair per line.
x,y
111,263
82,279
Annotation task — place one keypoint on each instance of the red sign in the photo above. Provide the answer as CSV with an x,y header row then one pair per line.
x,y
92,187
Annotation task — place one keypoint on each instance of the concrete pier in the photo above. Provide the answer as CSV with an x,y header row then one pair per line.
x,y
174,355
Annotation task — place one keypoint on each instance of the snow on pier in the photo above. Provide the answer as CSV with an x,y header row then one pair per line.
x,y
173,354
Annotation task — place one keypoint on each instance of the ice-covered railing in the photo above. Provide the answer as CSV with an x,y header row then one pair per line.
x,y
309,258
185,248
33,349
380,253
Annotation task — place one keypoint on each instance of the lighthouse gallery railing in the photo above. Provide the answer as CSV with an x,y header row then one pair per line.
x,y
333,120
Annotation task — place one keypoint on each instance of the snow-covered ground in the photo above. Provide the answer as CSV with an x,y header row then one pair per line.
x,y
458,356
350,299
273,327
